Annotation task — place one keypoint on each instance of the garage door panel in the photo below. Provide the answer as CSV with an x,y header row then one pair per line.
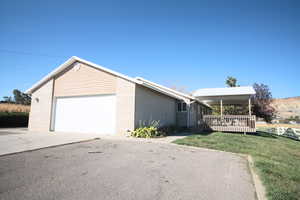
x,y
86,114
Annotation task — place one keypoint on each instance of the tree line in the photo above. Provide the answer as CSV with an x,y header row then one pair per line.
x,y
18,98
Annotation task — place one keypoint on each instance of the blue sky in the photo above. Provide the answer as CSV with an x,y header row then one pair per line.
x,y
191,44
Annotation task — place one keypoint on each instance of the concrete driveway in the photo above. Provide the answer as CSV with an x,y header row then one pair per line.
x,y
14,140
118,169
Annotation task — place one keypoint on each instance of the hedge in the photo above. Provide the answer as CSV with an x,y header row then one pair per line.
x,y
13,119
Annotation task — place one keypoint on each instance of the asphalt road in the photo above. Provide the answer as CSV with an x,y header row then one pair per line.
x,y
111,169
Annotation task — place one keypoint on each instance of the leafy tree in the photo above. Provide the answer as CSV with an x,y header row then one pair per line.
x,y
21,98
18,96
231,81
261,102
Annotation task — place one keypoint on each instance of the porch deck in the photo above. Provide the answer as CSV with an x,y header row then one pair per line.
x,y
234,123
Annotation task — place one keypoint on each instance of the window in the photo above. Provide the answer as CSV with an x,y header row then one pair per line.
x,y
181,107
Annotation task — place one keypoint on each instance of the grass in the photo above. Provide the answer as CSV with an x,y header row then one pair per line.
x,y
276,158
7,107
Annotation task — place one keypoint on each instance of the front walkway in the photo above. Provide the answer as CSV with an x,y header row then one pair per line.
x,y
167,139
15,140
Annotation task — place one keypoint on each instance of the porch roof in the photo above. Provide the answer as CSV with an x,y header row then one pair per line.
x,y
230,95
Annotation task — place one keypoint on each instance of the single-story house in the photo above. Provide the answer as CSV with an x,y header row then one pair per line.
x,y
80,96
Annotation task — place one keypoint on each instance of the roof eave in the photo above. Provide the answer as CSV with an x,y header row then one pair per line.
x,y
211,95
169,90
69,62
162,92
51,74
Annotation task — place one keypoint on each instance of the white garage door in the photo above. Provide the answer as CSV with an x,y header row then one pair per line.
x,y
87,114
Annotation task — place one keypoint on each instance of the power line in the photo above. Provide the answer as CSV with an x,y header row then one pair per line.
x,y
30,53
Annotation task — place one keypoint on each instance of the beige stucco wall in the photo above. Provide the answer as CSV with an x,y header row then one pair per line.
x,y
125,94
40,111
150,105
84,80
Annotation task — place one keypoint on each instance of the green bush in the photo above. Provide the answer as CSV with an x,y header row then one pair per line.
x,y
13,119
153,129
147,132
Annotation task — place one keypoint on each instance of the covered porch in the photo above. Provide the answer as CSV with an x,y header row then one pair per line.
x,y
230,119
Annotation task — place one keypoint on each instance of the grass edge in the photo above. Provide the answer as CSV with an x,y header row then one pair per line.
x,y
259,187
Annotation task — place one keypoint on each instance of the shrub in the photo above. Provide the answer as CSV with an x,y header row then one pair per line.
x,y
13,119
147,132
153,129
168,130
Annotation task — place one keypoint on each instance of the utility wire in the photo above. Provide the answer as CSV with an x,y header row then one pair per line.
x,y
30,53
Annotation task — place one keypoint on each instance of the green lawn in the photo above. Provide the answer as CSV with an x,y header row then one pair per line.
x,y
276,159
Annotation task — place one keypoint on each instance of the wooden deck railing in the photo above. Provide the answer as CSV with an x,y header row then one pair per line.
x,y
234,123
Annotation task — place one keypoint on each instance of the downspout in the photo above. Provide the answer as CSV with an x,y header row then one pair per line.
x,y
52,107
188,116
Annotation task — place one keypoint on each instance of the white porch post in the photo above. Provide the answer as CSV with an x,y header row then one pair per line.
x,y
249,102
221,105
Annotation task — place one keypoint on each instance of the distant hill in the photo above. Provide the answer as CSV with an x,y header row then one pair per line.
x,y
287,107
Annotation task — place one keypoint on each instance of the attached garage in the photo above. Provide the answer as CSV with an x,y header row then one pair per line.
x,y
82,97
85,114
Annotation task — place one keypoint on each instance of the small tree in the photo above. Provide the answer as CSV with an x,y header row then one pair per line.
x,y
231,81
261,102
21,98
18,96
26,99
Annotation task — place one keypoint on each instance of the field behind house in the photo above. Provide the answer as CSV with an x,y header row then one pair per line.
x,y
7,107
